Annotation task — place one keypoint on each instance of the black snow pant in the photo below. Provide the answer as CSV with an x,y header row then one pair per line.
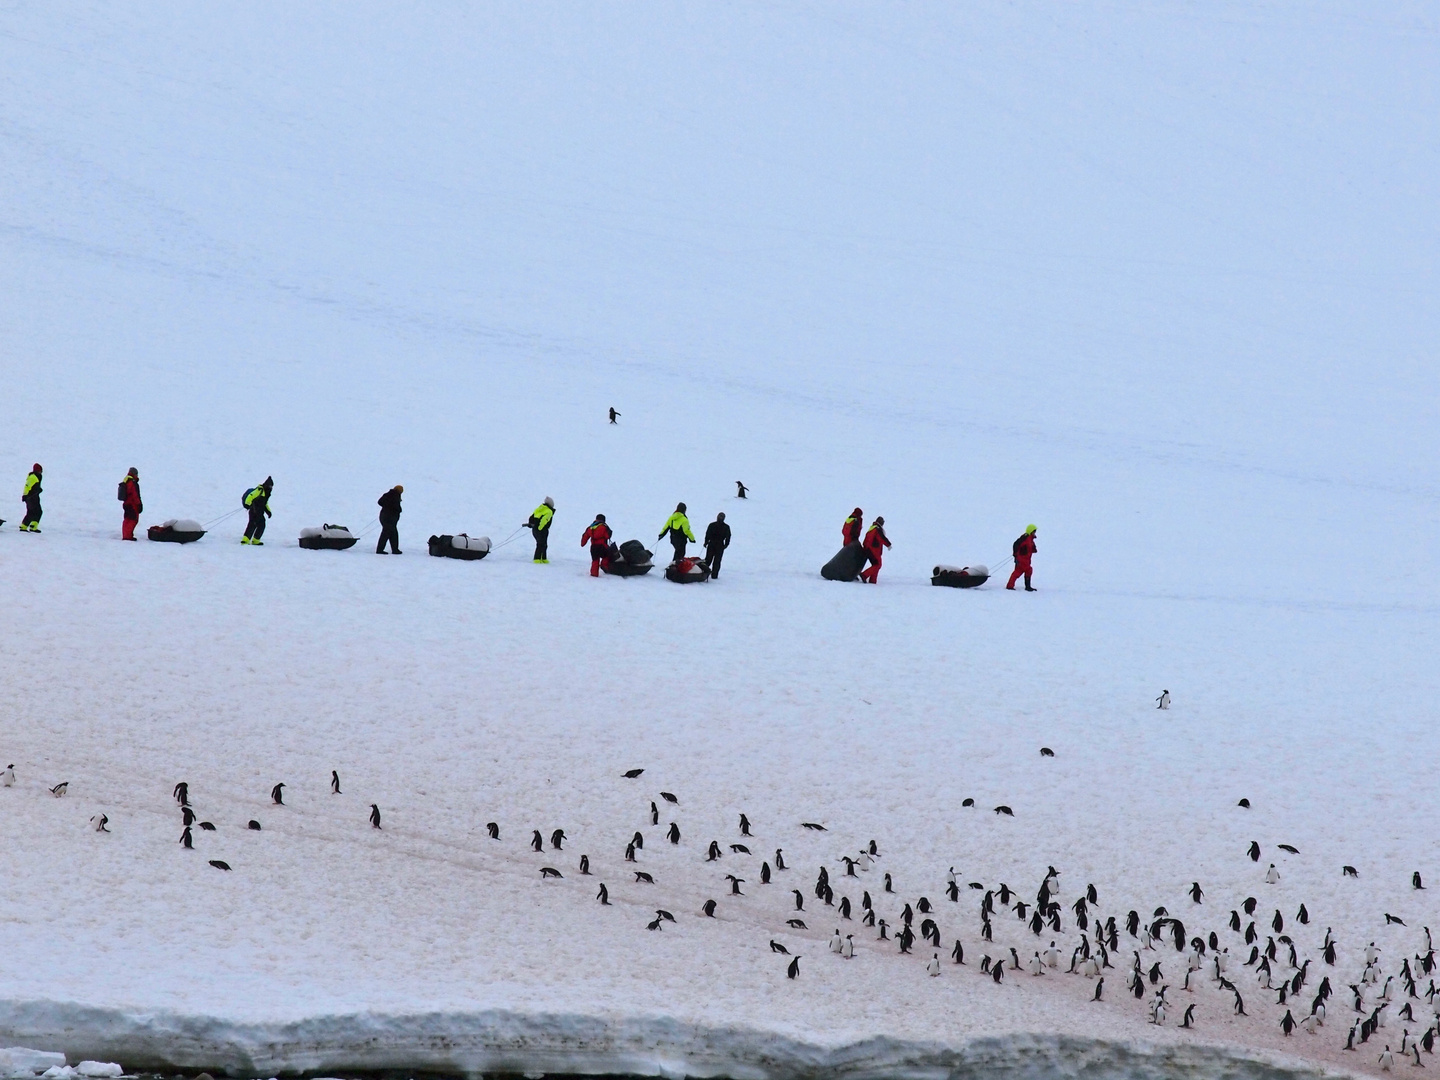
x,y
542,544
388,532
677,541
32,511
255,529
713,557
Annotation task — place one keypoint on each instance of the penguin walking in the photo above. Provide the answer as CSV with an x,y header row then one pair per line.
x,y
744,825
182,791
630,851
584,865
1099,988
799,899
1287,1023
764,873
277,795
793,971
7,778
187,816
493,828
185,840
334,782
735,883
836,942
673,834
1415,882
1163,701
603,895
557,840
1272,875
99,821
932,968
713,852
1386,1060
59,789
537,842
847,950
779,859
1188,1020
708,908
654,813
1197,894
374,816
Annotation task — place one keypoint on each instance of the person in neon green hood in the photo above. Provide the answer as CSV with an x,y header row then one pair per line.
x,y
678,529
539,526
1023,549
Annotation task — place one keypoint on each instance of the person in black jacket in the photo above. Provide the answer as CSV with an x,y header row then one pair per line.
x,y
257,501
717,539
389,519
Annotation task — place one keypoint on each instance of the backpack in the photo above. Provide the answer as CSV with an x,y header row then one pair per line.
x,y
244,499
120,492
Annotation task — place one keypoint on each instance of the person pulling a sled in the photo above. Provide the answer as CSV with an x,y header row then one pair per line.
x,y
539,526
257,501
854,526
678,529
129,496
1023,549
598,536
717,539
30,496
389,504
875,544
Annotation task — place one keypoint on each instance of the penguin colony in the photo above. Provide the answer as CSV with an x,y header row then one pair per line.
x,y
1180,971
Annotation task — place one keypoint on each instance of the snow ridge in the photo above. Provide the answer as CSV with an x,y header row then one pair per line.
x,y
503,1041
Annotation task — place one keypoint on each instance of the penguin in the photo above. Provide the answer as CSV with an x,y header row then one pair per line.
x,y
99,821
958,953
776,947
793,971
889,887
661,913
845,907
1035,965
1188,1020
654,924
952,892
744,825
764,873
869,919
253,825
1245,803
185,840
557,840
849,866
779,859
220,864
735,883
654,814
1310,1024
1239,1004
923,906
1045,751
547,872
630,851
7,778
1349,871
708,908
1099,988
334,782
739,849
796,924
1302,916
182,792
1254,851
603,895
1415,882
276,795
1393,919
537,842
1272,875
1002,809
673,833
713,852
1386,1060
59,789
883,926
1287,1023
669,797
1289,848
813,826
866,861
837,941
187,816
967,802
932,967
631,774
493,829
640,875
799,899
1277,923
1197,894
206,826
997,973
374,816
638,840
847,951
1163,701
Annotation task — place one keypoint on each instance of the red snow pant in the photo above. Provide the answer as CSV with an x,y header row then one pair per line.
x,y
1022,566
127,530
871,572
599,556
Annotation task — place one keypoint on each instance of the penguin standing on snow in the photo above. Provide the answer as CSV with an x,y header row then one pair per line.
x,y
603,895
100,821
735,883
1188,1020
584,865
933,967
185,840
744,825
182,792
673,834
374,816
334,782
537,842
837,942
793,970
1099,988
7,778
799,899
764,873
848,949
276,795
779,859
1163,701
1272,875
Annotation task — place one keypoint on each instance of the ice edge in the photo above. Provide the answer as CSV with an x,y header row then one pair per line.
x,y
500,1041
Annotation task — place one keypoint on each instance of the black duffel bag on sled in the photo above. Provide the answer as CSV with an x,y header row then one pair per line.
x,y
687,571
960,577
630,559
846,565
459,547
327,538
176,531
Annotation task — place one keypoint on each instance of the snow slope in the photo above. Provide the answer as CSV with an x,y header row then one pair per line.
x,y
1161,279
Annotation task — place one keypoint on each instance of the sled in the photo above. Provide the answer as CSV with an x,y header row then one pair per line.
x,y
176,531
630,559
846,565
327,538
960,577
460,546
687,571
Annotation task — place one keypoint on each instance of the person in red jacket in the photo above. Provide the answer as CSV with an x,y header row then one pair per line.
x,y
598,537
1022,549
854,525
130,500
875,543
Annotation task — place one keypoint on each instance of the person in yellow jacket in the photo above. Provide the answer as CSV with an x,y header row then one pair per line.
x,y
678,529
539,526
30,496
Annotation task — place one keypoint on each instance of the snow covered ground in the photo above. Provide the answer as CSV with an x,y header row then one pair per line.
x,y
1160,279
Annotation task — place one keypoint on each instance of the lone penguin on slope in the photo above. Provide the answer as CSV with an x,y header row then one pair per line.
x,y
1163,701
374,816
794,969
335,782
276,795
